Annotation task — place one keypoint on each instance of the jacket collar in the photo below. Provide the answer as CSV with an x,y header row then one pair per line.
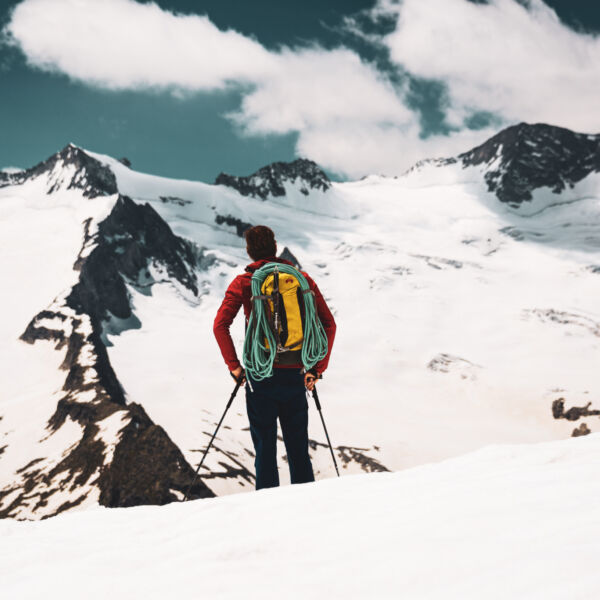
x,y
263,261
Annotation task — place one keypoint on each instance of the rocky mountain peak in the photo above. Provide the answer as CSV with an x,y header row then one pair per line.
x,y
137,463
71,168
130,243
270,180
524,157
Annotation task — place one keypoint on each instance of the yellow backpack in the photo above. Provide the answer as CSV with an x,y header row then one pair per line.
x,y
285,313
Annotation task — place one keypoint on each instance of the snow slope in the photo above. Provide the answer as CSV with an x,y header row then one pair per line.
x,y
419,273
518,522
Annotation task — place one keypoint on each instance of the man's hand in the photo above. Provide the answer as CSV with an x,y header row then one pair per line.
x,y
309,381
236,375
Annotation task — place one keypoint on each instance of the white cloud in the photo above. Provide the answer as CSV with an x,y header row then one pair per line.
x,y
349,117
520,62
121,44
315,88
379,149
336,103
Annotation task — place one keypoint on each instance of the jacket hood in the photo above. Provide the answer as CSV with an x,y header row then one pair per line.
x,y
263,261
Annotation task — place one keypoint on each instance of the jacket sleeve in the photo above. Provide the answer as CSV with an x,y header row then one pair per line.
x,y
225,315
328,323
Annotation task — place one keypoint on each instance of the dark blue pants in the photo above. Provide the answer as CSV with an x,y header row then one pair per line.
x,y
282,395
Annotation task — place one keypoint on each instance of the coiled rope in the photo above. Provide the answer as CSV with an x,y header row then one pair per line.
x,y
258,358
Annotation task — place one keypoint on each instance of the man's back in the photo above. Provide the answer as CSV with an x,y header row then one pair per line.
x,y
239,294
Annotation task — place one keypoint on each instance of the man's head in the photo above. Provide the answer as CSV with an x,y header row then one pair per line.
x,y
260,242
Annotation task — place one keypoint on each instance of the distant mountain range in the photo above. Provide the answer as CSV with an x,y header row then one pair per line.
x,y
112,380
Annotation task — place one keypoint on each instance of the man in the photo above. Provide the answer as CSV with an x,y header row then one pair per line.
x,y
283,394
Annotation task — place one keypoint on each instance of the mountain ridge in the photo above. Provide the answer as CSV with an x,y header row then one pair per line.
x,y
534,156
523,158
89,175
516,161
135,394
142,465
270,180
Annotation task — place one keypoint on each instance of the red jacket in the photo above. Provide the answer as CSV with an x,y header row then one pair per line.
x,y
238,294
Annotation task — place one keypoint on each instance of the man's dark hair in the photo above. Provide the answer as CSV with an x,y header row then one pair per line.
x,y
260,242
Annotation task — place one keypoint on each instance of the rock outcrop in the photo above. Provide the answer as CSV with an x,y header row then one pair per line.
x,y
271,180
523,158
122,457
72,169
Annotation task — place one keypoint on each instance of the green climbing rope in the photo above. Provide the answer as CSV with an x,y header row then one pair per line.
x,y
258,358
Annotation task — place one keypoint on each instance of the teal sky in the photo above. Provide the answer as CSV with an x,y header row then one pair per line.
x,y
190,137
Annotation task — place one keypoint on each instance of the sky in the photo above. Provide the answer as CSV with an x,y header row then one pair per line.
x,y
190,88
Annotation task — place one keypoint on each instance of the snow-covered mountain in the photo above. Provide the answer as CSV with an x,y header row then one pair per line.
x,y
271,180
524,158
70,169
465,293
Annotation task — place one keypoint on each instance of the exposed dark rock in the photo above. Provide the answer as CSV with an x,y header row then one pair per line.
x,y
90,175
583,429
137,463
132,237
368,464
574,413
524,157
104,384
449,363
269,180
520,234
561,317
88,239
34,331
30,464
147,467
174,200
286,254
67,505
440,263
240,226
239,471
125,161
349,454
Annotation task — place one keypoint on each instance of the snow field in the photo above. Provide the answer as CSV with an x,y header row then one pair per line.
x,y
41,238
517,522
414,268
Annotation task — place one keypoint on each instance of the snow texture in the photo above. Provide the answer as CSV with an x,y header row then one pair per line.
x,y
519,522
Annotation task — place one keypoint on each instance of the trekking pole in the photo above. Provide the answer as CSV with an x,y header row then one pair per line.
x,y
235,391
316,397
